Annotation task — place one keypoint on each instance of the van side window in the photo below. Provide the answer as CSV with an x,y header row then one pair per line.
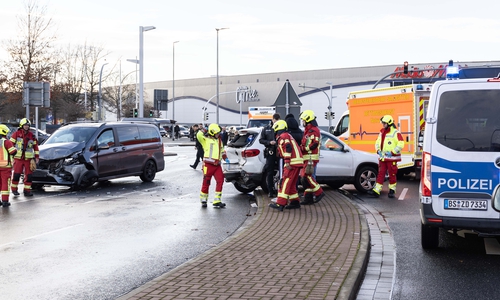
x,y
128,135
149,134
468,120
106,138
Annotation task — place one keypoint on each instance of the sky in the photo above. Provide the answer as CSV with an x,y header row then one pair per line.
x,y
270,36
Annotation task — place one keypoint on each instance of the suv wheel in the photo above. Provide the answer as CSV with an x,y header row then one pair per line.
x,y
242,189
365,179
149,172
429,236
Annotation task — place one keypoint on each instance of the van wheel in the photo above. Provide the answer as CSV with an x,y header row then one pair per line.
x,y
149,171
429,237
241,189
365,179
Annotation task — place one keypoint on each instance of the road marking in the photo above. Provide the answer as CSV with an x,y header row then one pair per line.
x,y
403,194
492,246
42,234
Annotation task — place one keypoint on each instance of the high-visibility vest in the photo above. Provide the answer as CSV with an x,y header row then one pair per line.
x,y
392,142
213,150
310,143
4,155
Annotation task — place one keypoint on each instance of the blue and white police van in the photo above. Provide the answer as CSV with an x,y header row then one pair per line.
x,y
461,157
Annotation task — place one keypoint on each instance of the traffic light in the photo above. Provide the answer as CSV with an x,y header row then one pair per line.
x,y
326,115
405,67
131,113
136,113
205,116
151,113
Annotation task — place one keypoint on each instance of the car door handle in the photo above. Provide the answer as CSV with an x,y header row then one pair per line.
x,y
115,150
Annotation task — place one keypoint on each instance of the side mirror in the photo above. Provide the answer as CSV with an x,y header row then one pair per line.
x,y
495,199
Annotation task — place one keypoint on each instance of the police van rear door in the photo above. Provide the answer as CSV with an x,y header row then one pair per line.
x,y
465,153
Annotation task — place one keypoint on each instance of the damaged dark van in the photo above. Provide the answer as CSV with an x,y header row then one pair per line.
x,y
79,155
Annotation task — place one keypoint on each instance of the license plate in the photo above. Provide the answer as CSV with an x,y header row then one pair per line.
x,y
466,204
231,167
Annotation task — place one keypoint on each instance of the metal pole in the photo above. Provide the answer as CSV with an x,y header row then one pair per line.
x,y
99,96
141,68
119,113
173,81
217,110
330,107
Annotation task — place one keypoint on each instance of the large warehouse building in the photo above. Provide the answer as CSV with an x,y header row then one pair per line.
x,y
315,89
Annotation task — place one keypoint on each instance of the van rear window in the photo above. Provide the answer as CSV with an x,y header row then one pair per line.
x,y
469,120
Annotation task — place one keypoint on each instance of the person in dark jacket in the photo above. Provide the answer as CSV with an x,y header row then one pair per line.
x,y
293,128
268,139
199,148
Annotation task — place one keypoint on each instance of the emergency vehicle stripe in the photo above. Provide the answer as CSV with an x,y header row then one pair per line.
x,y
421,113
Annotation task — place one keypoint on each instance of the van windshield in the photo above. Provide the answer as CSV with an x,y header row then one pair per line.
x,y
469,120
71,134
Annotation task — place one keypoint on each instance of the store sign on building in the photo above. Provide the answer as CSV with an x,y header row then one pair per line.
x,y
245,94
427,72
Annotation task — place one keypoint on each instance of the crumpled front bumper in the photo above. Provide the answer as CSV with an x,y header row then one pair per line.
x,y
65,175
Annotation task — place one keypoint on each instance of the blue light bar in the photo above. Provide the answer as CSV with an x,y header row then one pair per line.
x,y
452,72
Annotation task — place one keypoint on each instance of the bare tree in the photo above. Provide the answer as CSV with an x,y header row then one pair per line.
x,y
32,57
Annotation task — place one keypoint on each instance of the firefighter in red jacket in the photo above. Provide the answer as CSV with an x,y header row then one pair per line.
x,y
389,144
289,150
6,152
213,156
310,150
27,149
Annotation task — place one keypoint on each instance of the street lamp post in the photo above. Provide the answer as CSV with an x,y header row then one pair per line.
x,y
173,80
141,68
99,100
136,62
217,112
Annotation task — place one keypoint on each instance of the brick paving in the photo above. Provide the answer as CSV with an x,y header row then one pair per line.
x,y
316,252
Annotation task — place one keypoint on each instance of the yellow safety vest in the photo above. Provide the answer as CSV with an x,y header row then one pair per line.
x,y
212,148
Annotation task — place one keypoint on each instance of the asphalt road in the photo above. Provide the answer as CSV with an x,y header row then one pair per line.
x,y
105,241
465,266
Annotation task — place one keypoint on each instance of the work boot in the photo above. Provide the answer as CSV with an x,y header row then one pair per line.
x,y
192,166
28,194
219,204
15,193
293,205
373,193
392,194
308,199
5,203
276,206
203,203
319,197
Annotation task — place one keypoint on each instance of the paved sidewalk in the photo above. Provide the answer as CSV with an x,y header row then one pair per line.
x,y
316,252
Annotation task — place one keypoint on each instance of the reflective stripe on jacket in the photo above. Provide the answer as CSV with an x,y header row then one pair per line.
x,y
213,150
390,141
26,145
310,143
289,150
8,149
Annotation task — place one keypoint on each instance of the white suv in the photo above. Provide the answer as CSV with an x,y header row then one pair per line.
x,y
339,164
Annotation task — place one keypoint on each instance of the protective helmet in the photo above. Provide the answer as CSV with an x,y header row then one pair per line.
x,y
23,122
280,125
387,119
4,130
307,115
213,129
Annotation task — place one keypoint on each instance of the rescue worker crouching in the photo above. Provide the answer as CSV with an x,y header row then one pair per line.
x,y
27,149
213,155
388,146
6,152
289,150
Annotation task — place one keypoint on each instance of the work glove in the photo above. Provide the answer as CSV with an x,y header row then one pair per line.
x,y
388,154
380,155
227,160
